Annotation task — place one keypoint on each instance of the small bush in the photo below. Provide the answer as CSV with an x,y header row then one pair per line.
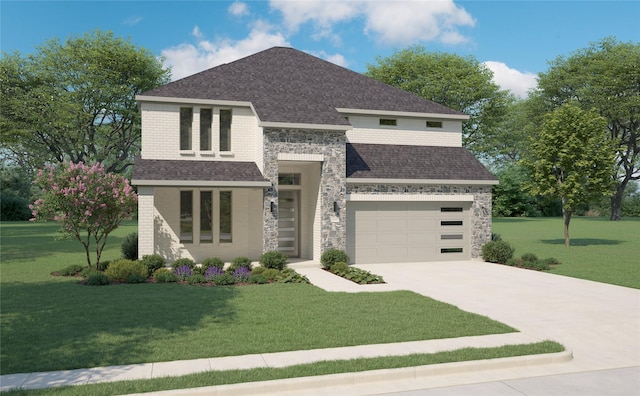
x,y
340,268
497,252
164,275
258,270
271,274
541,265
241,274
98,279
72,270
239,262
153,262
196,279
198,269
87,272
529,257
184,261
183,272
257,279
551,261
332,256
274,259
136,278
224,280
103,265
121,270
514,262
211,272
129,247
288,275
212,262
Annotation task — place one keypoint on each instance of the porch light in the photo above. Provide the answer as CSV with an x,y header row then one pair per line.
x,y
336,209
273,206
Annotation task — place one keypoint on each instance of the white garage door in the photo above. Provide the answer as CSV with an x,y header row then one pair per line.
x,y
387,232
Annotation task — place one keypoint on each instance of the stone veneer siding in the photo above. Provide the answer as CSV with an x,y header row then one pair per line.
x,y
332,146
480,208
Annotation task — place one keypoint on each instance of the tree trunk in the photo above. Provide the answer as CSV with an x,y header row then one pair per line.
x,y
566,216
616,203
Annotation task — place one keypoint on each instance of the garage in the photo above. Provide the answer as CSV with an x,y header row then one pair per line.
x,y
405,231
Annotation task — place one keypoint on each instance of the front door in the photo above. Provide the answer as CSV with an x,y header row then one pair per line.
x,y
288,222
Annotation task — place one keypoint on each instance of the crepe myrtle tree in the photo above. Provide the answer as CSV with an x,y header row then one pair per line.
x,y
88,202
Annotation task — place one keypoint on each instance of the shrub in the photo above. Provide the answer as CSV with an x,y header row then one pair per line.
x,y
271,274
98,279
239,262
258,270
153,262
332,256
497,252
340,268
183,272
224,280
211,272
212,262
72,270
136,278
241,274
87,272
362,277
198,269
184,261
121,270
288,275
551,261
541,265
103,265
257,279
129,247
164,275
274,259
529,257
514,262
196,279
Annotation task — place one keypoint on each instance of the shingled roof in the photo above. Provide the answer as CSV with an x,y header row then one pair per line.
x,y
289,86
376,161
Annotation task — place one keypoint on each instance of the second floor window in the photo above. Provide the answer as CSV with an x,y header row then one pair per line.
x,y
186,121
225,130
205,129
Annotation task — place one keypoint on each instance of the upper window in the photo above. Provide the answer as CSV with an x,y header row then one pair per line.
x,y
225,130
289,179
205,129
186,119
434,124
388,122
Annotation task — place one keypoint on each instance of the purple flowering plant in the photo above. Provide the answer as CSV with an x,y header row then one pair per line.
x,y
242,274
212,272
183,272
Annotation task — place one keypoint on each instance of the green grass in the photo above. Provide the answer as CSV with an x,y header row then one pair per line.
x,y
601,250
54,323
314,369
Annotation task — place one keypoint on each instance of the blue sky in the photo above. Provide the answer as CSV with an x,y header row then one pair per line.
x,y
514,38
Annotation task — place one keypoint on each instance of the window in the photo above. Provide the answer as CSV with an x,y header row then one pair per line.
x,y
186,216
450,236
225,216
289,179
450,210
186,119
434,124
206,216
388,122
205,129
451,250
451,223
225,130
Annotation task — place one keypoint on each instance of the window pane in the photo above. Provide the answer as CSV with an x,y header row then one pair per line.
x,y
451,250
225,130
289,179
186,119
454,209
388,122
186,216
205,129
206,216
451,223
225,216
434,124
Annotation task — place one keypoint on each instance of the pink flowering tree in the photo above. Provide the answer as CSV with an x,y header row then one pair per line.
x,y
88,202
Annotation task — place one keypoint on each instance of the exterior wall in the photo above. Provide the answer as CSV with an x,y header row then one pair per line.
x,y
146,211
331,146
480,208
161,133
409,131
246,225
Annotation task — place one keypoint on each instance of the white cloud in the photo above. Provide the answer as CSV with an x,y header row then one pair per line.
x,y
238,9
390,22
196,32
338,59
132,21
511,79
187,59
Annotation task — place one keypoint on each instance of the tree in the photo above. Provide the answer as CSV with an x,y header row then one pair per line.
x,y
88,202
461,83
571,159
15,191
509,198
76,101
604,76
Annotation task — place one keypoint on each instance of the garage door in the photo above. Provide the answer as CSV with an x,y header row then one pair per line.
x,y
383,232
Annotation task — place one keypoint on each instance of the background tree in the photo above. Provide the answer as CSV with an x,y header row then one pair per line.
x,y
15,193
461,83
604,76
76,101
88,202
571,159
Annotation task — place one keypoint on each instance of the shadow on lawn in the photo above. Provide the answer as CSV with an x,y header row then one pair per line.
x,y
583,242
55,326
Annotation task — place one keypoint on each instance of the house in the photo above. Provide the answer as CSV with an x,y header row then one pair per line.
x,y
284,151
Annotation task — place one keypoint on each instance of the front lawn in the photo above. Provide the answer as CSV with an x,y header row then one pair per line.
x,y
54,323
601,250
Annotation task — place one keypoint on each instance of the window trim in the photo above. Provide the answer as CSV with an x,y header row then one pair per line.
x,y
388,122
434,124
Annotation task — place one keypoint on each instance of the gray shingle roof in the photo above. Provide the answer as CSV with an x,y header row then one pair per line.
x,y
380,161
200,171
290,86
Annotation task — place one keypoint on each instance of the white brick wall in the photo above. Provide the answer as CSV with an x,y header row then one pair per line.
x,y
145,221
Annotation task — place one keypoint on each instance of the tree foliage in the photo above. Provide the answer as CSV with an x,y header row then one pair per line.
x,y
571,159
606,77
461,83
88,202
75,101
15,191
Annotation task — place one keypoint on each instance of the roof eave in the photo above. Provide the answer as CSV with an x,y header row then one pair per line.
x,y
200,183
403,114
367,180
300,125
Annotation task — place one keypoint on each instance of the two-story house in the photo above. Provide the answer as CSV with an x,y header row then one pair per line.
x,y
284,151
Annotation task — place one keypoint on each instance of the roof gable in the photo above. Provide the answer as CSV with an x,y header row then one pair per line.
x,y
289,86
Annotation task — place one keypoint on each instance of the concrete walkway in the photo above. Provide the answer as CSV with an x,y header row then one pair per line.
x,y
598,323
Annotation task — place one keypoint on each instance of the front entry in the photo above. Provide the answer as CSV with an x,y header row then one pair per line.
x,y
289,222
